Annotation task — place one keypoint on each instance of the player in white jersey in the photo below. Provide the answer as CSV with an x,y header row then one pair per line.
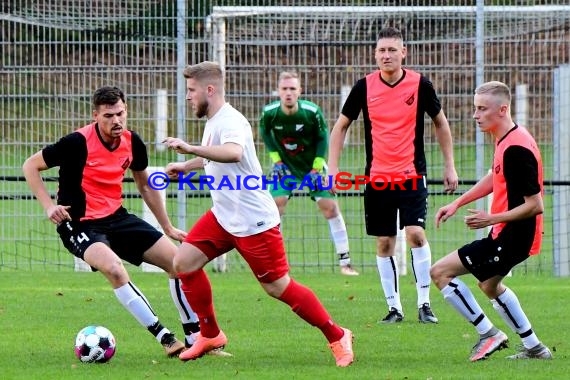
x,y
249,209
246,219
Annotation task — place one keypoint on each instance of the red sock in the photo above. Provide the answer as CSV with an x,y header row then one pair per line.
x,y
198,291
306,305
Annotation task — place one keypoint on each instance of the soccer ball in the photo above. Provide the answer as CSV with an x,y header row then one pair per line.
x,y
95,344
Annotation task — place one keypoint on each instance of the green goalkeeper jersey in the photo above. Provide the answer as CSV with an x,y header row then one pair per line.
x,y
298,138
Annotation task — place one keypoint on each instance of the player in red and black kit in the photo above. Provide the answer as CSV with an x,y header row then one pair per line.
x,y
393,101
91,220
516,182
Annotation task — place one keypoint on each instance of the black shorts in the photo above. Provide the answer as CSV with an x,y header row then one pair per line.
x,y
126,234
489,257
381,206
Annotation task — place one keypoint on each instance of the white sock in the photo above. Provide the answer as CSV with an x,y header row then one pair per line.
x,y
339,236
509,308
421,264
458,295
136,303
390,279
187,315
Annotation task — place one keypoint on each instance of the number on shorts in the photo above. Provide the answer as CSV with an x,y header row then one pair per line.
x,y
82,237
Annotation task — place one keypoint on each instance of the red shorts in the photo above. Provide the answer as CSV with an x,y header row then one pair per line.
x,y
264,252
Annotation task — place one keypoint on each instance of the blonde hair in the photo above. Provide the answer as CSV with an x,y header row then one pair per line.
x,y
205,72
496,88
288,75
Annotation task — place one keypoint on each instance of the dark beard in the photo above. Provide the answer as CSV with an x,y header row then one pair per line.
x,y
201,110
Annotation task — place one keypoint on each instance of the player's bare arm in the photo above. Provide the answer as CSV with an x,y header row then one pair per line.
x,y
31,169
443,134
531,207
481,189
336,144
173,168
225,153
154,202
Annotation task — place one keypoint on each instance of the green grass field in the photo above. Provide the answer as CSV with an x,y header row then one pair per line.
x,y
40,313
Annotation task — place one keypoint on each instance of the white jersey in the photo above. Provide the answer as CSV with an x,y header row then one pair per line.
x,y
240,211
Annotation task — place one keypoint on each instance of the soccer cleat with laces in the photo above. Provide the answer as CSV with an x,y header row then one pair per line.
x,y
342,349
203,346
348,270
171,345
486,346
425,315
540,351
394,316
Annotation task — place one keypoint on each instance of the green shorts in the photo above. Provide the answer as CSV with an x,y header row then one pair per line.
x,y
290,184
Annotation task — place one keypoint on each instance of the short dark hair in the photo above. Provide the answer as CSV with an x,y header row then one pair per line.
x,y
390,32
107,95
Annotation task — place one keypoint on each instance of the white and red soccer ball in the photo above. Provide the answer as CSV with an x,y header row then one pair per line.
x,y
95,344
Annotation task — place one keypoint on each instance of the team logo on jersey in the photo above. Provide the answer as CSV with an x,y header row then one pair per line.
x,y
293,148
410,100
299,127
497,169
125,162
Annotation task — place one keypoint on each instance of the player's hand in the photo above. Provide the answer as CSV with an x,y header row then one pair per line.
x,y
445,213
173,168
478,219
175,233
450,180
317,179
58,213
332,172
178,145
280,170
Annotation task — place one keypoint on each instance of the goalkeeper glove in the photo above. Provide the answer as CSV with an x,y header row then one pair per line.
x,y
316,179
280,170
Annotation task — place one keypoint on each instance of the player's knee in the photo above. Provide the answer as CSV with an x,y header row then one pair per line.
x,y
490,289
330,212
276,288
115,272
416,236
186,263
440,275
177,265
435,272
385,246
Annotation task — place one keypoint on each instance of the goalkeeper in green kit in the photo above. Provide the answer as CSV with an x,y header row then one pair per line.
x,y
296,136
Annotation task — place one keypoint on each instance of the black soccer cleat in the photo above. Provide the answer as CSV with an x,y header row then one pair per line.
x,y
394,316
425,315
